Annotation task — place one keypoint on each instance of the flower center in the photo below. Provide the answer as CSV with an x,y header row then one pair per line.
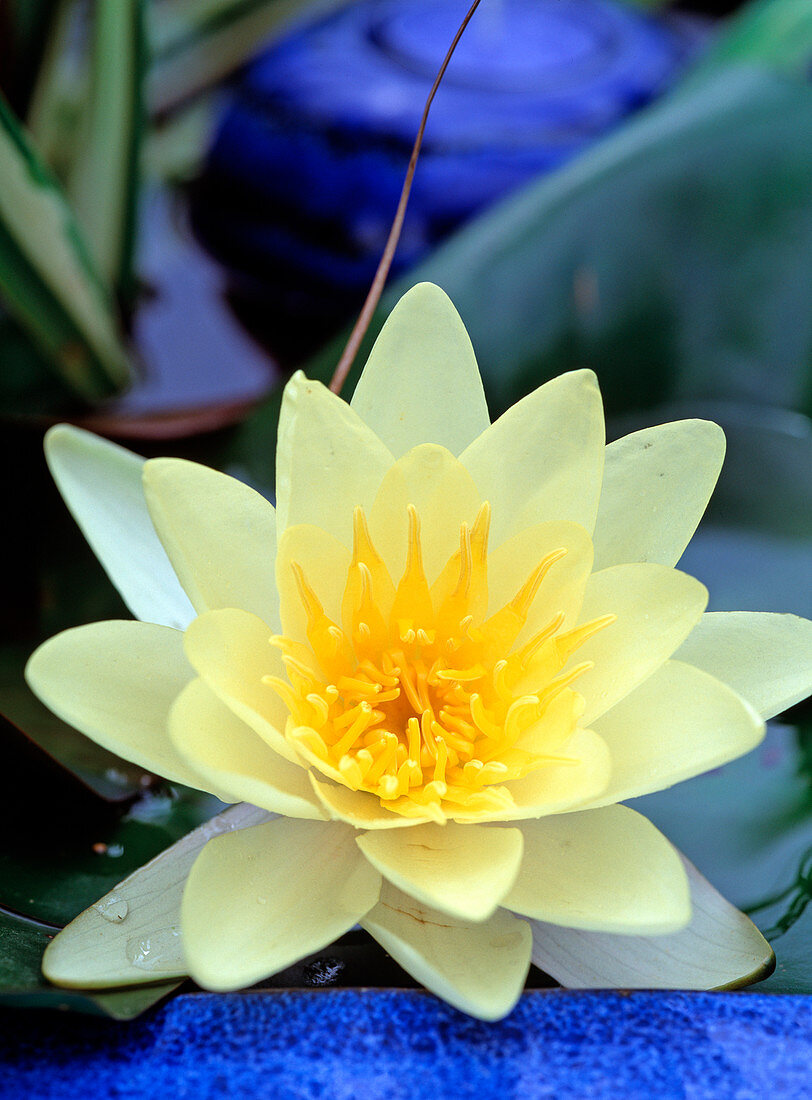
x,y
422,699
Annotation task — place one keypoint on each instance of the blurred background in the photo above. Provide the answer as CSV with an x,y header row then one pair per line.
x,y
194,196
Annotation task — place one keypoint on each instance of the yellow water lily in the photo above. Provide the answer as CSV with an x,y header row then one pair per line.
x,y
443,660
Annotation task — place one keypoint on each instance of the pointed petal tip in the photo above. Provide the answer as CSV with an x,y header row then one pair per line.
x,y
426,291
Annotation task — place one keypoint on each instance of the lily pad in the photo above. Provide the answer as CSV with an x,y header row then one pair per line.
x,y
772,32
22,943
55,865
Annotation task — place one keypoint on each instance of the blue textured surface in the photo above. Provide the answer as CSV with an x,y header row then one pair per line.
x,y
404,1045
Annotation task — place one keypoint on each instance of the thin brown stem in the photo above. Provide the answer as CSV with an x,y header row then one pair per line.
x,y
376,289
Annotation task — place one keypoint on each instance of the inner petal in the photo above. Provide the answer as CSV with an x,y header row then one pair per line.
x,y
432,480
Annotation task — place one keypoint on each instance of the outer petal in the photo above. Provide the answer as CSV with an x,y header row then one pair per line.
x,y
258,900
542,460
720,949
234,759
116,682
421,383
132,935
231,652
327,460
607,870
677,724
656,485
558,787
444,494
764,657
101,484
220,536
462,870
478,968
656,608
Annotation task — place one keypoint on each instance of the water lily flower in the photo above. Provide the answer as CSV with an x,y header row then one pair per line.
x,y
444,660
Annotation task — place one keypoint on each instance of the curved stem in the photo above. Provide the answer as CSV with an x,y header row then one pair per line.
x,y
376,289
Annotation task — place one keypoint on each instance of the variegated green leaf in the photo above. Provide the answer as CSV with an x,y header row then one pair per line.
x,y
102,187
197,43
47,279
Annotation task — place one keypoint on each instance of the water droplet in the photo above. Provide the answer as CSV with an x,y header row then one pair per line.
x,y
151,807
113,775
113,908
158,951
261,900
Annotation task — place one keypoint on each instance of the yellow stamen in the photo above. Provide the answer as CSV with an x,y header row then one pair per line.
x,y
419,703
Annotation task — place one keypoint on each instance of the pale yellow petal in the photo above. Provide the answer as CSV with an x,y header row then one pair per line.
x,y
235,759
231,651
131,936
327,461
766,658
359,808
258,900
679,723
463,870
325,563
421,383
656,485
720,949
101,485
542,460
562,589
607,870
445,496
116,682
478,968
554,788
220,536
656,608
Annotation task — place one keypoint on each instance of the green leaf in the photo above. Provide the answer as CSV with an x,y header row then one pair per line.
x,y
60,91
103,184
777,33
196,43
670,258
47,279
22,985
55,862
